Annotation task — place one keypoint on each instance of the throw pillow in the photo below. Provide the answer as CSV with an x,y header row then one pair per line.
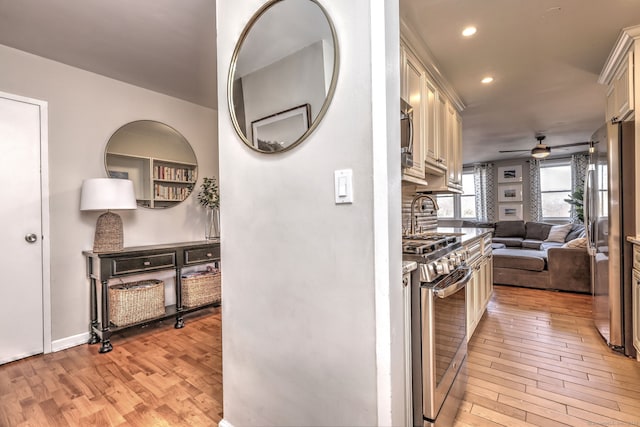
x,y
537,230
580,242
576,231
509,229
558,233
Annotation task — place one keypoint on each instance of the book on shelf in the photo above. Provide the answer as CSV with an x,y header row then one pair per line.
x,y
169,173
171,192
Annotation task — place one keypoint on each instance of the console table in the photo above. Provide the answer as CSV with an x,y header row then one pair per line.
x,y
102,267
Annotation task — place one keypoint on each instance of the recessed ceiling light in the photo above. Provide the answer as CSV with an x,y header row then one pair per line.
x,y
469,31
487,80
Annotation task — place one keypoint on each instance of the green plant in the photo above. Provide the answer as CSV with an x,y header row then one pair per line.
x,y
208,195
576,199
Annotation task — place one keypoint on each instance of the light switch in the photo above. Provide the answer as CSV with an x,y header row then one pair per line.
x,y
343,180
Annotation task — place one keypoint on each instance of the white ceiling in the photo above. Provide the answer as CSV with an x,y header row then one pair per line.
x,y
545,56
168,46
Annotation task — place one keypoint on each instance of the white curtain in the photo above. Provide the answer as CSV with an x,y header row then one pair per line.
x,y
483,179
535,204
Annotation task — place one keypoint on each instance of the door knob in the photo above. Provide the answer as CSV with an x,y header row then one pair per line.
x,y
31,238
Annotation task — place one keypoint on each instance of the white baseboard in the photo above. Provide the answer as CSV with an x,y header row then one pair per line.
x,y
224,423
69,342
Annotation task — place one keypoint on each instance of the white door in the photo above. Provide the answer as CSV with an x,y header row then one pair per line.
x,y
21,260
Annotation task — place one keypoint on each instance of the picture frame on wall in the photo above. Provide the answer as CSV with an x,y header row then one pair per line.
x,y
510,174
118,174
278,131
510,212
510,193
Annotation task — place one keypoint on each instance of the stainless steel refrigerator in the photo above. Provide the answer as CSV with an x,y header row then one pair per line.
x,y
609,206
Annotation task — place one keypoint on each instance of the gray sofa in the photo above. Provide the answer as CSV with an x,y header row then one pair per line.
x,y
523,255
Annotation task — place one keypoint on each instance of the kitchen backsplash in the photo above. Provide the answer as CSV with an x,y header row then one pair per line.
x,y
424,210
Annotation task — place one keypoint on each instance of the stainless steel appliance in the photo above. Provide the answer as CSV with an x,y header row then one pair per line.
x,y
609,203
438,326
406,134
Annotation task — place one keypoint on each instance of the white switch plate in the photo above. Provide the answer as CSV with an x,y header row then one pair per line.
x,y
343,182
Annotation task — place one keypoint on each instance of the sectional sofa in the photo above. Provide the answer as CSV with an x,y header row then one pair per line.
x,y
541,255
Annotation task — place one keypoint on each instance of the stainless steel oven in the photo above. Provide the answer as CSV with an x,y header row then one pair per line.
x,y
439,338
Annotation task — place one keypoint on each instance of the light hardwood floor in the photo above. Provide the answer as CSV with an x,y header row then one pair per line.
x,y
155,376
535,359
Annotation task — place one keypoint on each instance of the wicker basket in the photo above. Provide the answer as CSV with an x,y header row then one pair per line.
x,y
202,287
136,301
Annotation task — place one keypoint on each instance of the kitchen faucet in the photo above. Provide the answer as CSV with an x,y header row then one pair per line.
x,y
414,225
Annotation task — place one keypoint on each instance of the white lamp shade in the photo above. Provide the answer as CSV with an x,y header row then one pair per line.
x,y
99,194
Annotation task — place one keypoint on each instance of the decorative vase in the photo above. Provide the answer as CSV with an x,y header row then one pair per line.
x,y
212,226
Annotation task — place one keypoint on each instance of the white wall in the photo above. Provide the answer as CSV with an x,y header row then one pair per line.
x,y
276,88
311,289
84,110
526,186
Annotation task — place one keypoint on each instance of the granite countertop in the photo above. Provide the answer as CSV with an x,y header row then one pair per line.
x,y
467,234
634,239
408,266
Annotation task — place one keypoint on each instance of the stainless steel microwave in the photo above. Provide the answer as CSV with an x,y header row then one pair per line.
x,y
406,134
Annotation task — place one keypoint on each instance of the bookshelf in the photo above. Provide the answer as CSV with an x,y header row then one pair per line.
x,y
159,183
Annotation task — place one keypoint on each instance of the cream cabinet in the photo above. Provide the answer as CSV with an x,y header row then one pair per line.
x,y
412,92
437,150
480,287
454,144
449,140
636,311
472,297
620,96
635,297
618,74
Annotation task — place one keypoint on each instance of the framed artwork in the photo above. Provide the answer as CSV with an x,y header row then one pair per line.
x,y
510,173
119,174
510,193
510,212
277,131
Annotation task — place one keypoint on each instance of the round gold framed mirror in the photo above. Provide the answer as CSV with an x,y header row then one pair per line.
x,y
283,74
157,158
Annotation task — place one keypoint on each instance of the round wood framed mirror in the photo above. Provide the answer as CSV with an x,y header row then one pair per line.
x,y
283,74
157,158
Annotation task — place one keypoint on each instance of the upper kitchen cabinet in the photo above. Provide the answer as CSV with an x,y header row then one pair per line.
x,y
411,91
436,153
620,92
454,144
619,75
437,125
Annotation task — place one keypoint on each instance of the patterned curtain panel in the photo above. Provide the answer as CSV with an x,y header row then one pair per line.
x,y
483,179
579,164
535,204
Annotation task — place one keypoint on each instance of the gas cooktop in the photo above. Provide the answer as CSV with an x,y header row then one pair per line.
x,y
425,243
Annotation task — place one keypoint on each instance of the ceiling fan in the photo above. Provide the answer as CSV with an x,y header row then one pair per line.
x,y
541,150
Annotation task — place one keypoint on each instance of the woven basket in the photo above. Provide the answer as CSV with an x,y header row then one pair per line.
x,y
201,288
136,301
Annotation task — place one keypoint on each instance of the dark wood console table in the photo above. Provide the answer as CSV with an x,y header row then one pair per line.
x,y
102,267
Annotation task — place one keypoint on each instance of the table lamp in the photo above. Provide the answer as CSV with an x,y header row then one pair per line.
x,y
108,194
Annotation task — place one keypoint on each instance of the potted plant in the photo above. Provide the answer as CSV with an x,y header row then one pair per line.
x,y
576,199
209,198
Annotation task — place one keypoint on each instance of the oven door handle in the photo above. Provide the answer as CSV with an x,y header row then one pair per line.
x,y
455,287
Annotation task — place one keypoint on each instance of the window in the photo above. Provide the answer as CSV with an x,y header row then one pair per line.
x,y
459,205
447,206
468,197
555,186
